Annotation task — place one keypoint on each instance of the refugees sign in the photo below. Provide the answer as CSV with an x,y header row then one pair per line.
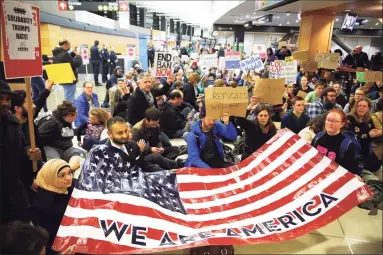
x,y
163,64
208,61
253,63
233,101
284,190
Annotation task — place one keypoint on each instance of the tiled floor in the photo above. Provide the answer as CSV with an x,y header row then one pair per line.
x,y
356,232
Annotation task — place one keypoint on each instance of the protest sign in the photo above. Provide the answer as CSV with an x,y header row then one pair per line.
x,y
60,73
208,61
291,58
277,69
260,49
302,94
253,63
163,64
233,101
372,76
309,66
84,54
232,60
194,55
281,43
184,58
269,91
301,55
291,71
327,60
360,76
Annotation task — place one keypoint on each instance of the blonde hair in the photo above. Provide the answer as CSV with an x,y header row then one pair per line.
x,y
194,78
366,117
102,115
219,83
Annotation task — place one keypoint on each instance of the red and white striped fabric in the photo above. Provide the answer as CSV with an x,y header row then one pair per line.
x,y
284,190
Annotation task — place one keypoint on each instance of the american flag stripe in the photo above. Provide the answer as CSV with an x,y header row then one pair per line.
x,y
286,169
281,177
127,209
272,162
96,242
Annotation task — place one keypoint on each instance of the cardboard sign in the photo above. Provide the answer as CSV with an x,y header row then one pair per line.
x,y
20,34
290,72
253,63
208,61
309,66
303,55
269,91
277,69
229,100
60,73
163,64
84,54
372,76
327,60
232,60
360,77
302,94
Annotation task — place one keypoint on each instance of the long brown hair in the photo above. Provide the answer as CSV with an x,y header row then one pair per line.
x,y
265,107
366,117
102,115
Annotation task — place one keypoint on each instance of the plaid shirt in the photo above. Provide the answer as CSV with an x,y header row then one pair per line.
x,y
318,108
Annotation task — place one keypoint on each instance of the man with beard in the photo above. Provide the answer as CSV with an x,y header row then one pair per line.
x,y
13,147
325,104
19,110
119,154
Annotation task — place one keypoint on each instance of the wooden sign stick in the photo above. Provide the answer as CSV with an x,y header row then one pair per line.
x,y
30,119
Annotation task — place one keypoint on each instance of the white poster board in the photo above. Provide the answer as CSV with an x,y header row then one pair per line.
x,y
291,71
163,64
253,63
208,61
277,69
84,54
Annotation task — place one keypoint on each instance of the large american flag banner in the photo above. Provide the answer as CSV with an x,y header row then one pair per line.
x,y
284,190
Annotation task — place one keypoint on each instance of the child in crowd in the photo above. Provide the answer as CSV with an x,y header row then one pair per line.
x,y
94,127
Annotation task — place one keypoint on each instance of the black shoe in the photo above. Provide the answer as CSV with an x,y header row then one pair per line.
x,y
98,84
180,162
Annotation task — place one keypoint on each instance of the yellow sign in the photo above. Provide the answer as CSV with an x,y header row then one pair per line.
x,y
60,73
281,43
288,59
232,101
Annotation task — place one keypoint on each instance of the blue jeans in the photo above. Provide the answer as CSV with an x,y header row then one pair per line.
x,y
69,92
38,86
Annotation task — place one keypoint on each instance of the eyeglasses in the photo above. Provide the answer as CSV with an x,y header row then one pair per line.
x,y
333,121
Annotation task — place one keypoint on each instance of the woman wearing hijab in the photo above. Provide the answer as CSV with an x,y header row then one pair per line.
x,y
52,197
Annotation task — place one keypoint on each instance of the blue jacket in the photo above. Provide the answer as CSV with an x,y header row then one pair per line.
x,y
83,108
219,130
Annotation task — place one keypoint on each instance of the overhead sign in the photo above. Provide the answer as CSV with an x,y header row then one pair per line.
x,y
232,60
163,64
84,54
253,63
327,60
21,40
90,6
208,61
233,101
130,51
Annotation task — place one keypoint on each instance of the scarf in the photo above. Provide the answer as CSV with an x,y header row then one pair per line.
x,y
149,97
47,176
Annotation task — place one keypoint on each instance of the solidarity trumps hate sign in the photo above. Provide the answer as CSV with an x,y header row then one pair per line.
x,y
163,64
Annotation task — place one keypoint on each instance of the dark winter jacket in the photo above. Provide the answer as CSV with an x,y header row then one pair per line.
x,y
55,132
293,122
95,53
194,148
254,137
171,119
361,59
62,56
14,201
190,95
137,103
150,135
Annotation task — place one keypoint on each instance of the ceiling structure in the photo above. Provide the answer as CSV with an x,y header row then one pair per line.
x,y
288,14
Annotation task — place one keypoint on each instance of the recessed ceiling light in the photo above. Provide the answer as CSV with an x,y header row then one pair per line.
x,y
247,16
370,27
376,24
277,17
241,18
347,10
288,23
236,20
288,14
280,24
337,20
297,21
